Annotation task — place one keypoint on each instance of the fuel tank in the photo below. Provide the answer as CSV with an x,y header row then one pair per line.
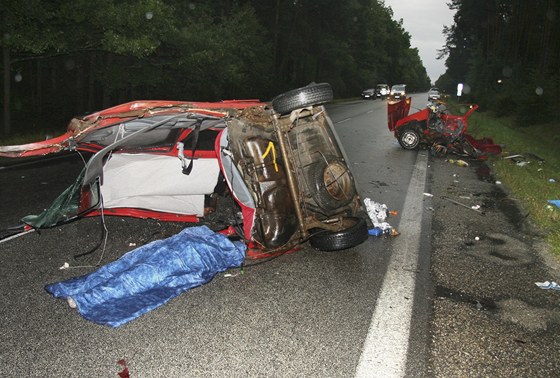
x,y
275,221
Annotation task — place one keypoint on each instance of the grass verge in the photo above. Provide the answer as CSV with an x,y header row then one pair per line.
x,y
533,178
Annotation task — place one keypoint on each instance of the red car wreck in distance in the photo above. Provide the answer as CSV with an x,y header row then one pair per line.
x,y
281,162
436,129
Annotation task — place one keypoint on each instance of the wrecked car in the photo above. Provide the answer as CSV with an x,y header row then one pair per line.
x,y
436,129
169,160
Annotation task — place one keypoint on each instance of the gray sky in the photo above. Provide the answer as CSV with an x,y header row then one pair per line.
x,y
424,21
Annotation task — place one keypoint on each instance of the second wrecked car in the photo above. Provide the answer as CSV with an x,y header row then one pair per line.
x,y
436,129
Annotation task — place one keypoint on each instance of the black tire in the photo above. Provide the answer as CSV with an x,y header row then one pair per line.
x,y
349,237
312,94
331,183
409,138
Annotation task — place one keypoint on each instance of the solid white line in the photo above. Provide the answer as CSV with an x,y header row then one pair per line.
x,y
17,235
384,352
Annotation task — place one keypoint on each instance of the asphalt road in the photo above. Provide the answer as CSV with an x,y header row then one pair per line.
x,y
421,304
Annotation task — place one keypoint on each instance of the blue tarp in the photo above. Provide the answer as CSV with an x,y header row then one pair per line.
x,y
149,276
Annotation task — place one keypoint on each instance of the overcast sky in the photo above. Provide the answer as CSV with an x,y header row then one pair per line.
x,y
424,21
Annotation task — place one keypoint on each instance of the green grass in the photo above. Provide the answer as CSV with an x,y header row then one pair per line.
x,y
529,183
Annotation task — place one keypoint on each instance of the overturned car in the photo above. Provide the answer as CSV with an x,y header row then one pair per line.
x,y
169,160
436,129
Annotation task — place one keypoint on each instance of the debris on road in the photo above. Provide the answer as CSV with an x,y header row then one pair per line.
x,y
460,163
378,213
546,285
474,208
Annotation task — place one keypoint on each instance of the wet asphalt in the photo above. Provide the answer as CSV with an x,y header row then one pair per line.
x,y
477,310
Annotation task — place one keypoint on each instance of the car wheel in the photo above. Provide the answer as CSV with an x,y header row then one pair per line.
x,y
354,232
312,94
409,138
331,183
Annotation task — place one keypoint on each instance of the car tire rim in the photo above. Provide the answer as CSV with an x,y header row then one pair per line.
x,y
410,138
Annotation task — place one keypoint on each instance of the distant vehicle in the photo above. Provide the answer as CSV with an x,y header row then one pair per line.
x,y
434,94
398,92
382,91
368,94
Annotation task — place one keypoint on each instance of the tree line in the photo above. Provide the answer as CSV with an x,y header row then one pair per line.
x,y
63,58
507,53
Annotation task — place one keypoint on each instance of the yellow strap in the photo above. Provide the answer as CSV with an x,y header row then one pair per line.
x,y
268,149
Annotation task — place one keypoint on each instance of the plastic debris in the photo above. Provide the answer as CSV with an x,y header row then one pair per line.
x,y
546,285
460,163
555,203
428,194
377,212
476,238
64,266
376,231
551,180
498,183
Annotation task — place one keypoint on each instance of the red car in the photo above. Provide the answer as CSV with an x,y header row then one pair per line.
x,y
170,160
436,129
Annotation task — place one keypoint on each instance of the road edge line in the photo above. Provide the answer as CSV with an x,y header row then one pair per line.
x,y
385,349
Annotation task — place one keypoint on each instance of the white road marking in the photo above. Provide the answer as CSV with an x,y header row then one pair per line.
x,y
344,120
385,350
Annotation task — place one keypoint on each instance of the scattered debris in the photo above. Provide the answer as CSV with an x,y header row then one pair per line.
x,y
124,373
522,160
474,208
378,215
546,285
460,163
555,202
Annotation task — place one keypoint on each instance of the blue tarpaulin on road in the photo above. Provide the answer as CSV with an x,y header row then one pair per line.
x,y
151,275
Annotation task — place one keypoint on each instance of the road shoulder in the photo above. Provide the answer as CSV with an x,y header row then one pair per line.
x,y
486,259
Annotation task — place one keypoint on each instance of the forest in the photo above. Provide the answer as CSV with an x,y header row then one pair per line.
x,y
507,53
66,58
